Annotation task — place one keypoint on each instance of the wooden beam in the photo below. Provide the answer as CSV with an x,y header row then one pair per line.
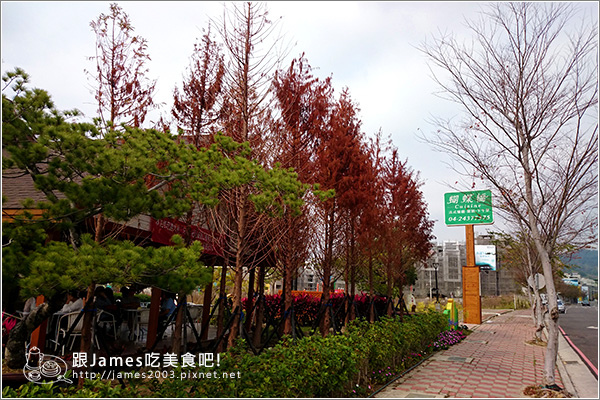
x,y
9,214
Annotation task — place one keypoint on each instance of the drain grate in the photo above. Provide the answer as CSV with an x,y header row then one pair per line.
x,y
570,362
404,394
467,360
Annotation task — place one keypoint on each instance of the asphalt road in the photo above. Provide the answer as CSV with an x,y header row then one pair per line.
x,y
581,324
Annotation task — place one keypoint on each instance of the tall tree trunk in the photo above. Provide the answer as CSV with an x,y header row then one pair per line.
x,y
222,303
89,307
206,304
327,269
537,313
371,291
99,222
237,303
538,316
401,299
390,291
87,325
239,267
287,298
551,319
249,311
179,321
347,288
260,308
352,272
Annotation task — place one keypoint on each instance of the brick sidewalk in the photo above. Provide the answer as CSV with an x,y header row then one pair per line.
x,y
493,362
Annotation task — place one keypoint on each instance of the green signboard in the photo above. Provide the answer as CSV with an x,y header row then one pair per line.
x,y
468,208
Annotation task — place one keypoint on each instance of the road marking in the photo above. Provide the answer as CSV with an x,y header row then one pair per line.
x,y
592,327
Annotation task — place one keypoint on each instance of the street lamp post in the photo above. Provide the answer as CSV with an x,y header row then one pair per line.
x,y
430,286
437,290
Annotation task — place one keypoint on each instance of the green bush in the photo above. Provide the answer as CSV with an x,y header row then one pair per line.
x,y
92,388
143,298
334,366
390,344
326,367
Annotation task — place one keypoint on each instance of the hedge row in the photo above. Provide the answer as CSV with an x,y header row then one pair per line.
x,y
334,366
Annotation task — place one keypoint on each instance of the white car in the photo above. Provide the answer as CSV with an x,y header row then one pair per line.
x,y
561,306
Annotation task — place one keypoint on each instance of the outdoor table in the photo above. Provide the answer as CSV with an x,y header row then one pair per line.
x,y
132,318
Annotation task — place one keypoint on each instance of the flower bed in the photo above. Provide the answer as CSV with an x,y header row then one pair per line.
x,y
307,305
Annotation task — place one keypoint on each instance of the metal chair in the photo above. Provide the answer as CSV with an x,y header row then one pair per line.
x,y
68,320
105,319
195,313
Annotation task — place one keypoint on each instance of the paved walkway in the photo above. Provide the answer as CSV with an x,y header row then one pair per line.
x,y
493,362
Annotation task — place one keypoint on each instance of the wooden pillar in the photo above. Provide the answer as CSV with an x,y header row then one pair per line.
x,y
471,294
248,322
470,235
38,336
153,318
206,305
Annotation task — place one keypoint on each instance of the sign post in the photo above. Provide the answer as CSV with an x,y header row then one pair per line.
x,y
469,209
470,274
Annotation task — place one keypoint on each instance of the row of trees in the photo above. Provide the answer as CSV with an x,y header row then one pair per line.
x,y
528,85
87,175
293,119
252,138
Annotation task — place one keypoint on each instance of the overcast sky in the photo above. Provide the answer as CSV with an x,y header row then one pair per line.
x,y
368,47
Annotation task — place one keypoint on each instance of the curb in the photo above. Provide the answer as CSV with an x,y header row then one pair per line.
x,y
585,360
576,371
562,370
580,372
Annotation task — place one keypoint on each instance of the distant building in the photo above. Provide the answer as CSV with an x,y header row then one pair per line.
x,y
448,258
592,288
307,280
589,286
572,279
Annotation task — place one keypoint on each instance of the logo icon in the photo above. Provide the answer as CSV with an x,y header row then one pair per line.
x,y
44,368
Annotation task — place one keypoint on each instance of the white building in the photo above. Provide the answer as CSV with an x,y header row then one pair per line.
x,y
447,261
